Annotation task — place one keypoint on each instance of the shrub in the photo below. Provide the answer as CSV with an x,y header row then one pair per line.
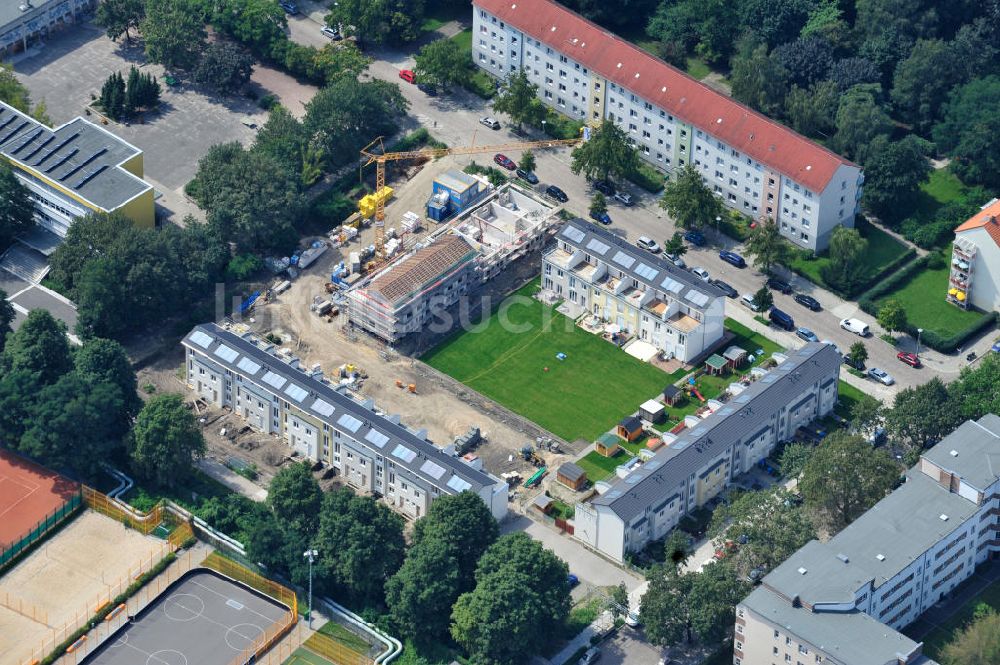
x,y
242,266
267,101
648,178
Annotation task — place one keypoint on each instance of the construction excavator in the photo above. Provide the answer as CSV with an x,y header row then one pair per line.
x,y
375,153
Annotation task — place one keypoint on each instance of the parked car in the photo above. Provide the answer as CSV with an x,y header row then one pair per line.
x,y
881,376
779,285
808,301
724,287
911,359
676,260
700,273
604,187
408,75
860,366
572,580
696,238
504,161
527,175
632,618
806,334
590,656
859,328
556,193
601,217
733,258
332,33
289,7
648,244
624,198
781,319
748,302
489,121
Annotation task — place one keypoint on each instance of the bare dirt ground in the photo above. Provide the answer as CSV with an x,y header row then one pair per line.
x,y
292,94
87,561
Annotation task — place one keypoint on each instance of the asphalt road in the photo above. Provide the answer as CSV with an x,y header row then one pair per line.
x,y
454,119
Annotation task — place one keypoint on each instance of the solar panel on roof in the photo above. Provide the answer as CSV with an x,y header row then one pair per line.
x,y
248,366
597,246
433,470
323,408
458,484
403,453
227,354
349,422
296,392
201,338
646,272
623,259
671,284
274,380
376,437
574,234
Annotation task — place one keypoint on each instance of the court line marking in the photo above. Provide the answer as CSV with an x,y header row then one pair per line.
x,y
25,497
247,607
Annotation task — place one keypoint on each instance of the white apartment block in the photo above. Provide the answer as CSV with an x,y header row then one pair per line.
x,y
754,164
600,273
974,279
704,459
373,452
844,601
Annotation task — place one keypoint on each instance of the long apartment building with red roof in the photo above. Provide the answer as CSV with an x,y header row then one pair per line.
x,y
754,164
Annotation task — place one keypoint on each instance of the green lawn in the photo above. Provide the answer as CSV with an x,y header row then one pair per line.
x,y
940,636
303,656
347,638
580,397
464,39
926,307
436,16
882,250
943,186
697,68
848,396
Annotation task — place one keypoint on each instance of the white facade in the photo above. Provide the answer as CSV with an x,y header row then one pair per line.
x,y
805,217
975,261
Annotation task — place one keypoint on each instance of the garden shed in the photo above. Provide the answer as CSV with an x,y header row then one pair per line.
x,y
572,476
630,428
735,356
543,503
672,394
715,364
607,445
651,411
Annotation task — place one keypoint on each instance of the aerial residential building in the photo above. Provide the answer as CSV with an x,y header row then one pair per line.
x,y
704,459
754,164
974,280
843,601
373,452
598,272
74,169
24,23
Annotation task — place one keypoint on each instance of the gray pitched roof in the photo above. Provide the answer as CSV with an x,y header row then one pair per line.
x,y
79,156
977,451
853,638
322,401
654,271
744,416
570,471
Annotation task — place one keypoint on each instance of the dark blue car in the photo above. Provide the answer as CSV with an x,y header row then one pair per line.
x,y
733,258
603,218
696,238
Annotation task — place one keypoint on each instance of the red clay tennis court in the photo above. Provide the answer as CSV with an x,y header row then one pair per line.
x,y
29,496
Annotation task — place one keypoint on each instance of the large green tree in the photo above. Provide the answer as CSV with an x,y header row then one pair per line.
x,y
847,250
922,415
283,138
757,79
793,459
224,66
894,171
441,63
379,21
464,522
173,32
607,153
295,497
525,555
892,316
844,477
17,210
689,201
117,17
978,642
257,23
811,111
970,131
12,91
975,391
766,245
860,118
684,607
104,360
39,346
165,441
422,593
518,99
922,81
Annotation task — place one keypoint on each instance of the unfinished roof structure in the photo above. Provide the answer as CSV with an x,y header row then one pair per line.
x,y
420,269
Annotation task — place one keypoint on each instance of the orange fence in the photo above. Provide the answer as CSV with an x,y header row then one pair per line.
x,y
327,647
111,508
180,535
24,609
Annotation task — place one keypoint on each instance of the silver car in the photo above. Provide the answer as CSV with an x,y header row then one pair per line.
x,y
676,260
881,376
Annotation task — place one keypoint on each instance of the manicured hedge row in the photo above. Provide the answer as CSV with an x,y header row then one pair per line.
x,y
891,283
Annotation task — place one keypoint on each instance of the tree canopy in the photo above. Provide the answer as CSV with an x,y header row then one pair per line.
x,y
441,63
173,32
970,131
379,21
118,17
607,153
17,214
684,607
295,497
165,441
518,99
224,66
689,201
978,642
766,245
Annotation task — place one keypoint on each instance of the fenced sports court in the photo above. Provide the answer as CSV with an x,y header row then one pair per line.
x,y
33,501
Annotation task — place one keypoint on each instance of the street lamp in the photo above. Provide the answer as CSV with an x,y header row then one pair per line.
x,y
718,223
919,332
311,555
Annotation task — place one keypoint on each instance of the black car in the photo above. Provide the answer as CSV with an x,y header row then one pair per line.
x,y
733,258
808,301
556,193
860,366
779,285
696,238
289,7
725,288
527,175
604,187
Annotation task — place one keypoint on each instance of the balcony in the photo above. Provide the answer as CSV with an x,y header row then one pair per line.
x,y
563,259
683,323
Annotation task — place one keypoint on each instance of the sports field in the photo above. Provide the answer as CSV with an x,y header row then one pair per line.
x,y
28,494
579,397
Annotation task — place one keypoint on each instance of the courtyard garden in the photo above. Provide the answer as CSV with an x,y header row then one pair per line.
x,y
936,635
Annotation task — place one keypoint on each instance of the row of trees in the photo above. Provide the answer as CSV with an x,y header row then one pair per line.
x,y
458,582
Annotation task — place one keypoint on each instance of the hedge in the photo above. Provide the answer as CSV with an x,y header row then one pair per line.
x,y
648,178
893,282
952,344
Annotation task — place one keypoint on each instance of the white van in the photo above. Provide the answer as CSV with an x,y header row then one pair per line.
x,y
859,328
748,301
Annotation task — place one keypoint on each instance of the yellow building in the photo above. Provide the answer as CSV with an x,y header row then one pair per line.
x,y
73,169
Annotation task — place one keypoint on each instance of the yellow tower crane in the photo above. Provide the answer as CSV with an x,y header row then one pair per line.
x,y
375,153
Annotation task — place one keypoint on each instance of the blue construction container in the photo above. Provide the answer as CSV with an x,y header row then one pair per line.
x,y
453,192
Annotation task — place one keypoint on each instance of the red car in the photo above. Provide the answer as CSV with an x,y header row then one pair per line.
x,y
911,359
504,161
407,75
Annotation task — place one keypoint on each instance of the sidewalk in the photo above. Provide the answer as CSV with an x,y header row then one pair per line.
x,y
602,623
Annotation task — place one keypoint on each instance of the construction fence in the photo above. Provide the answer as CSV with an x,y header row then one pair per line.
x,y
46,524
133,519
334,651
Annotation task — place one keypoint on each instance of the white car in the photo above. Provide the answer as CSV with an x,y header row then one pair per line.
x,y
489,121
632,618
881,376
624,198
648,244
332,33
856,326
748,301
676,260
701,273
